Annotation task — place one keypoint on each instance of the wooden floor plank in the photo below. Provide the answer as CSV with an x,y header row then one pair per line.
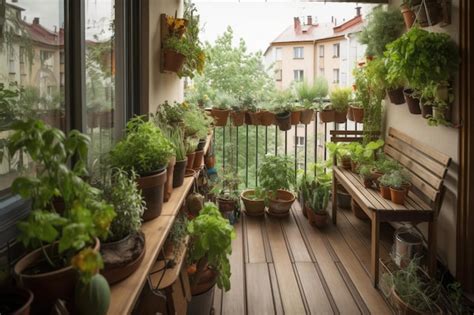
x,y
254,240
343,299
295,242
275,290
289,289
316,297
259,289
233,301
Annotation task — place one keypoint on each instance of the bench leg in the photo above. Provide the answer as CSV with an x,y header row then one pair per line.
x,y
334,199
375,249
432,248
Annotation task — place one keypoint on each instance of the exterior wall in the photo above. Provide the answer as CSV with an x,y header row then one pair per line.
x,y
354,53
329,62
158,86
288,63
443,139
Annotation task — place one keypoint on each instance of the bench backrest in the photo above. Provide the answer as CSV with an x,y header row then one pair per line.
x,y
427,166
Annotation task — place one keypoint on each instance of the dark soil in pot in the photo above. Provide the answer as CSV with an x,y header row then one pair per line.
x,y
253,207
326,115
396,96
15,301
306,116
178,173
152,188
295,117
169,179
237,118
198,160
220,116
317,219
385,192
283,121
398,195
412,102
122,258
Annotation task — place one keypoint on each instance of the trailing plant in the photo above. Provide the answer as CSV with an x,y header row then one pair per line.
x,y
276,172
196,56
340,99
61,164
144,149
365,171
211,244
321,87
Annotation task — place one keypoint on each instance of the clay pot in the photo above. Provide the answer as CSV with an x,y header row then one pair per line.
x,y
280,204
345,162
357,114
190,157
237,118
220,116
169,179
267,118
15,301
49,286
178,173
122,258
306,116
295,117
358,211
385,192
350,114
368,182
413,103
319,220
198,159
397,195
253,207
340,117
283,121
326,115
354,166
226,206
426,111
408,15
172,61
210,161
396,96
152,188
252,118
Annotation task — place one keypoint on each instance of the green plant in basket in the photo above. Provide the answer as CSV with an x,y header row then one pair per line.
x,y
276,172
282,101
144,149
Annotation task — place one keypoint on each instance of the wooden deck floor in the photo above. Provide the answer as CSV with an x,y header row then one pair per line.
x,y
285,266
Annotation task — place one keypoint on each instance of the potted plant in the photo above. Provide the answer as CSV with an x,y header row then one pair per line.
x,y
176,237
267,118
169,114
306,95
226,190
277,176
254,201
196,122
340,103
124,248
365,172
208,256
356,112
67,214
340,150
237,115
145,150
252,113
191,144
221,109
316,196
175,50
384,182
282,105
408,14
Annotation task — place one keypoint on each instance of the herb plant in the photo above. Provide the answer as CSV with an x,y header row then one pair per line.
x,y
171,114
340,99
196,121
224,101
282,101
276,172
191,144
306,94
176,137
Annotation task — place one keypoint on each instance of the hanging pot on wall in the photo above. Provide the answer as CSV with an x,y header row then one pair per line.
x,y
252,118
283,121
152,188
412,102
295,117
396,96
173,61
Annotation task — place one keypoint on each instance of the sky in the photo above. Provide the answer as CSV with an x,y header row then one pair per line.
x,y
259,23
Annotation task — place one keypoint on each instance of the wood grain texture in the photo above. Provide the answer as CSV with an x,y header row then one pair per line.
x,y
254,241
259,289
316,298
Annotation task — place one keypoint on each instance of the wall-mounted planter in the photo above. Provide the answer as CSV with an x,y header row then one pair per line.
x,y
412,102
220,116
396,96
172,61
295,117
152,188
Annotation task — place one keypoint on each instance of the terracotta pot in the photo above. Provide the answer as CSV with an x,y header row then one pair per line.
x,y
408,15
406,309
295,117
396,96
253,207
397,195
306,116
426,111
340,117
206,281
130,251
173,61
252,118
189,172
210,161
220,116
343,198
169,179
385,192
345,162
350,114
413,103
49,286
152,188
368,182
226,206
326,116
237,117
358,211
198,160
190,157
319,220
358,114
15,301
178,173
267,118
201,144
280,204
406,188
283,121
354,166
434,11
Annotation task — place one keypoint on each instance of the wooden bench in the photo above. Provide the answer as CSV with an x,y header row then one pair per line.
x,y
427,168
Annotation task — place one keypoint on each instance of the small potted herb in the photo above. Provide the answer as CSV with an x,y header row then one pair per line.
x,y
176,137
316,198
282,105
145,150
221,108
340,103
341,151
237,115
277,176
226,190
365,173
306,95
384,185
254,201
252,113
399,186
191,144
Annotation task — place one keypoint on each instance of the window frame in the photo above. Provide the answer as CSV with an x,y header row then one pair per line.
x,y
336,50
297,55
321,51
334,71
278,57
300,77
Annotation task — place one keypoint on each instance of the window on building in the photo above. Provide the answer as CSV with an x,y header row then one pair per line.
x,y
278,74
321,72
335,50
11,61
298,75
299,141
298,52
335,76
278,54
61,58
47,58
321,51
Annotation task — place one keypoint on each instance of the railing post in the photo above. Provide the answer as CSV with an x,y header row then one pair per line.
x,y
296,149
223,147
247,156
276,140
256,154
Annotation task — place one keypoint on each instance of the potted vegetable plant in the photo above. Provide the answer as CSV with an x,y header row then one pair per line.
x,y
357,112
221,109
237,115
169,114
64,236
384,185
306,95
191,144
282,105
341,151
340,103
124,248
316,201
277,176
145,150
254,201
399,186
226,190
208,255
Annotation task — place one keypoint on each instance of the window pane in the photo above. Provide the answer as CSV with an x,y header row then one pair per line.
x,y
30,52
100,74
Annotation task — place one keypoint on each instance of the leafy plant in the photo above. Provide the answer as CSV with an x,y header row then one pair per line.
x,y
340,99
176,137
282,101
144,149
306,94
85,215
276,172
196,121
171,114
226,185
191,144
211,244
224,101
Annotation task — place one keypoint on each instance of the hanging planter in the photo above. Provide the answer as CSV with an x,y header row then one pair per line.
x,y
396,96
173,61
435,13
152,188
306,116
357,113
210,161
220,116
385,191
326,115
283,121
408,15
267,118
412,102
252,118
340,117
280,204
295,117
318,219
237,117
